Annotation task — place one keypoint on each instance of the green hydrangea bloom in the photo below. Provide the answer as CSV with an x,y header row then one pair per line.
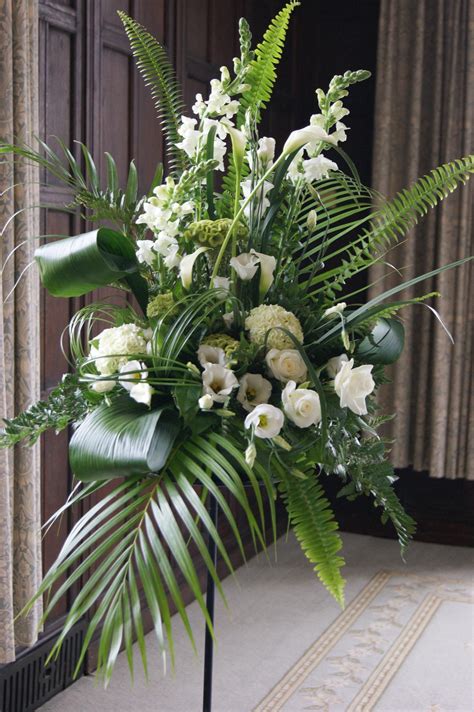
x,y
211,233
268,316
160,305
222,341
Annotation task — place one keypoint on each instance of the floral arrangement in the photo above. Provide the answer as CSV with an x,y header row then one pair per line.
x,y
242,361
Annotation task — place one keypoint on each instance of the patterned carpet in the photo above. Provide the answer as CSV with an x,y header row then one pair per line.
x,y
404,643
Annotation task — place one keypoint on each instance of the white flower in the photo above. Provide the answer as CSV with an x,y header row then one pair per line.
x,y
142,393
250,455
112,347
318,168
335,364
173,258
199,107
295,169
186,266
267,268
308,134
245,265
145,251
286,365
164,244
228,319
353,385
239,141
211,354
101,386
206,402
190,135
218,382
301,405
221,283
340,133
336,309
136,373
254,390
260,197
266,420
265,154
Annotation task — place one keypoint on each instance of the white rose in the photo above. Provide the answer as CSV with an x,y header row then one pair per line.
x,y
301,405
266,420
245,265
210,354
353,385
336,309
102,386
286,365
254,390
335,364
218,382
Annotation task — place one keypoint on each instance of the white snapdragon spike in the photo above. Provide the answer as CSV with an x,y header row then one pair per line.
x,y
211,354
221,283
266,421
218,382
318,168
145,252
205,402
245,265
267,268
339,135
260,197
190,135
165,244
173,258
254,390
301,405
295,169
286,365
353,385
307,135
335,310
335,364
186,266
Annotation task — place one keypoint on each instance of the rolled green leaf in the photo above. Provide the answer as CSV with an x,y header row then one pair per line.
x,y
76,265
123,439
384,344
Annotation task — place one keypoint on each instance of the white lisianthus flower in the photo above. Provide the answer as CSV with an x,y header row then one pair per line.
x,y
245,265
101,386
308,134
210,354
250,455
254,390
353,385
266,421
286,365
206,402
135,373
112,347
318,168
221,283
186,266
336,309
335,364
301,405
218,382
145,252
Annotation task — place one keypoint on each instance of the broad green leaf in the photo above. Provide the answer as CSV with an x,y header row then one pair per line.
x,y
384,344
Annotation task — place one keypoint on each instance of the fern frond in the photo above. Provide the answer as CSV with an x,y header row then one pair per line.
x,y
262,73
159,75
315,528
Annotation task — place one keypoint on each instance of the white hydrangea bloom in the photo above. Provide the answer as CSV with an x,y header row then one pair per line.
x,y
112,348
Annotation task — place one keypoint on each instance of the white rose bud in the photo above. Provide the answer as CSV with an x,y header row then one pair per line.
x,y
335,364
286,365
102,386
311,220
353,385
301,405
266,420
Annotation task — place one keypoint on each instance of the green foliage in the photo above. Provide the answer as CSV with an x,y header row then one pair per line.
x,y
315,527
159,75
66,403
261,76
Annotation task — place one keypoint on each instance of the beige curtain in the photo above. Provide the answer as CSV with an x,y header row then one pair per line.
x,y
424,113
20,511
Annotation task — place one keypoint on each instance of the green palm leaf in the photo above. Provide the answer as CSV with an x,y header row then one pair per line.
x,y
159,75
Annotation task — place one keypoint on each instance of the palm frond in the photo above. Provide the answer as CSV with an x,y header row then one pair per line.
x,y
315,528
159,75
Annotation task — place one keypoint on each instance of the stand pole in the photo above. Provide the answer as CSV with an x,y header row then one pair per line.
x,y
210,591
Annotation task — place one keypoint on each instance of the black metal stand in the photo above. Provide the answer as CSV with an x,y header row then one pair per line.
x,y
210,594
